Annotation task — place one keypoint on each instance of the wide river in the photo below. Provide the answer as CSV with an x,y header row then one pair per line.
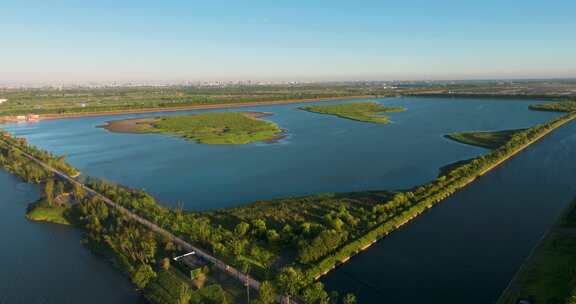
x,y
464,250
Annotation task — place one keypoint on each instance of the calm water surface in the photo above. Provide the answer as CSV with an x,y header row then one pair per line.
x,y
45,263
465,249
321,154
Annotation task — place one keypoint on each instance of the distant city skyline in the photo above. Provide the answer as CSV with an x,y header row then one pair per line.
x,y
177,41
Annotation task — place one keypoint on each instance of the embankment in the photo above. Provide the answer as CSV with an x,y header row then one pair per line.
x,y
438,190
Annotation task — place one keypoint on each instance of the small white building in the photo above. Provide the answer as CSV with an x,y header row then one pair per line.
x,y
3,100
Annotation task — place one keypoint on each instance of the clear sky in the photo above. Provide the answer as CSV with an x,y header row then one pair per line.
x,y
285,39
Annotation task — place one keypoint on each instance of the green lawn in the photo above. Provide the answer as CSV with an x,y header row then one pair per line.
x,y
488,140
205,128
359,111
43,213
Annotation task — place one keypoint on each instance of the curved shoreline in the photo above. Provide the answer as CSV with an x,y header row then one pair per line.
x,y
8,119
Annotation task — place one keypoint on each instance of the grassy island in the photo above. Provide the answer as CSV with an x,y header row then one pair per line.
x,y
487,139
205,128
359,111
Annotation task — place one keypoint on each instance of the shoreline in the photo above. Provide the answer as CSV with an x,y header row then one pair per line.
x,y
509,292
418,213
6,119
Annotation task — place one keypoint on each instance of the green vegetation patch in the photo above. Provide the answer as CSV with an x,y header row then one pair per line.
x,y
43,212
205,128
560,106
488,140
359,111
549,275
170,286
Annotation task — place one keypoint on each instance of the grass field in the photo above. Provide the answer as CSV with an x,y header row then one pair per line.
x,y
488,140
549,275
84,100
359,111
205,128
41,212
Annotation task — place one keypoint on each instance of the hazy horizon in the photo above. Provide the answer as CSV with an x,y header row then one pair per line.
x,y
177,41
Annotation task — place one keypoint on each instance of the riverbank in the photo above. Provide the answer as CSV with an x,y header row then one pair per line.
x,y
547,274
12,119
435,192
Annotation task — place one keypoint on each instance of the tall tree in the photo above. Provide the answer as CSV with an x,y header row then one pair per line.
x,y
349,299
49,191
266,294
78,191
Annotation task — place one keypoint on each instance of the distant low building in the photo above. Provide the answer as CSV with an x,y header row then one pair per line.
x,y
3,100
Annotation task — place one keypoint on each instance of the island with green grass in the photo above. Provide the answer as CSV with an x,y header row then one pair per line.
x,y
206,128
359,111
484,139
44,212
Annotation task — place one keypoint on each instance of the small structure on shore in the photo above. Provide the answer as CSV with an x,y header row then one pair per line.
x,y
3,100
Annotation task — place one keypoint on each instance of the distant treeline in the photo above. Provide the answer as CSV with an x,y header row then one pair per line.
x,y
561,106
50,101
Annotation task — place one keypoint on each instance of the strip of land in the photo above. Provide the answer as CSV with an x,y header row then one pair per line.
x,y
359,111
484,139
560,106
205,128
169,108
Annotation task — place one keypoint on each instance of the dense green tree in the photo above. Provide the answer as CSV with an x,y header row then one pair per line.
x,y
290,281
49,191
184,294
266,293
242,228
349,299
143,275
315,294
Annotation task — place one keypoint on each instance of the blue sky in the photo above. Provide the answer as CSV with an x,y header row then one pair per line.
x,y
285,40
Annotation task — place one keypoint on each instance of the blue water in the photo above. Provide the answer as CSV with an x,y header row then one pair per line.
x,y
321,154
468,248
